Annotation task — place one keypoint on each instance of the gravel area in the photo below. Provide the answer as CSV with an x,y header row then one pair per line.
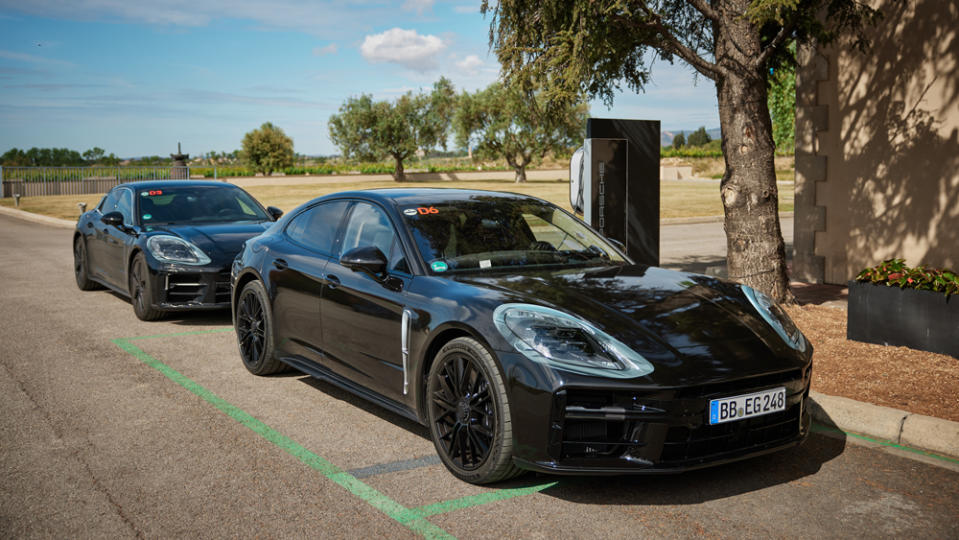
x,y
899,377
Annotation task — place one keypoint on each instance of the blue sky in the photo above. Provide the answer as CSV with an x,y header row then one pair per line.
x,y
135,77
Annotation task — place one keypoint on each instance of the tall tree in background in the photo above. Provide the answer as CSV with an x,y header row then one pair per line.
x,y
782,104
679,140
518,126
268,149
568,47
370,130
698,137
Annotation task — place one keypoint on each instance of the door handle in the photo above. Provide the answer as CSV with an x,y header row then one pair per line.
x,y
280,264
333,280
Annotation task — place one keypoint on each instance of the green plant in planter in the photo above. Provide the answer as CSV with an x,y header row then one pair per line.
x,y
894,272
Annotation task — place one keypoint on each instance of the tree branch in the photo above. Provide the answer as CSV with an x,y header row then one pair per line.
x,y
707,69
774,44
705,9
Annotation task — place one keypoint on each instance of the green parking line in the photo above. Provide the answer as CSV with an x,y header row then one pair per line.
x,y
399,513
819,428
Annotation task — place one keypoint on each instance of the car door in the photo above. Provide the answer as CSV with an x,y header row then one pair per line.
x,y
297,263
98,255
118,239
362,314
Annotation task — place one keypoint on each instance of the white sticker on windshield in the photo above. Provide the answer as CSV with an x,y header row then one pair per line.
x,y
486,263
410,211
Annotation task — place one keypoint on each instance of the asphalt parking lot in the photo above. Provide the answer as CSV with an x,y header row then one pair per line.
x,y
113,427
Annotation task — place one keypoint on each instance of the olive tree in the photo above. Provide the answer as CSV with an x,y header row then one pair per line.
x,y
518,126
267,149
568,47
370,130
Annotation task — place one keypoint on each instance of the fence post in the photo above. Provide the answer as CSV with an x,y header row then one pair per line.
x,y
214,172
2,191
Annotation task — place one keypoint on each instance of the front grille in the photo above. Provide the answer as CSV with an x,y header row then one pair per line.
x,y
184,288
222,288
667,428
687,444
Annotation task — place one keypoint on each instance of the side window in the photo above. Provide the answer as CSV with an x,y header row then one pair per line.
x,y
125,206
109,203
397,257
315,227
368,226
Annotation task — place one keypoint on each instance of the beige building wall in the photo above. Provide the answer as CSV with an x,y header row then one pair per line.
x,y
877,146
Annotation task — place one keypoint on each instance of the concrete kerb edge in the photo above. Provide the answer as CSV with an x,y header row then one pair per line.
x,y
885,423
38,218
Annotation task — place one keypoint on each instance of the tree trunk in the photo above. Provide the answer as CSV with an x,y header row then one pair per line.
x,y
398,173
755,251
520,173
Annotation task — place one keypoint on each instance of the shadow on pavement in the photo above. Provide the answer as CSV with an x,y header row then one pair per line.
x,y
687,488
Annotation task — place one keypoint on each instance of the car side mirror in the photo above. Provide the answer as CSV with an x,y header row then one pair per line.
x,y
114,219
619,245
274,212
368,259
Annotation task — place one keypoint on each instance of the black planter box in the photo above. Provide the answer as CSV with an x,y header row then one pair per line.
x,y
923,320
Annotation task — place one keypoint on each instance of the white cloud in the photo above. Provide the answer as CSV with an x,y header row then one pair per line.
x,y
323,51
34,59
404,47
469,9
418,6
470,65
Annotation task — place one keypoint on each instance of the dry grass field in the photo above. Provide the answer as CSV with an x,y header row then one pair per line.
x,y
678,198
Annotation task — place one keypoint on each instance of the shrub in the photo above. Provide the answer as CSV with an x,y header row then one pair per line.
x,y
894,272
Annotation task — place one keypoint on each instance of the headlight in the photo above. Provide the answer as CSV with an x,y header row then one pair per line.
x,y
776,317
563,341
176,250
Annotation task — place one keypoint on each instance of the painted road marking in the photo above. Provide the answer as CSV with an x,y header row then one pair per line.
x,y
412,518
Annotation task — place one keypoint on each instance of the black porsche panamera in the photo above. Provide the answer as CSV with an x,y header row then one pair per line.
x,y
521,338
167,245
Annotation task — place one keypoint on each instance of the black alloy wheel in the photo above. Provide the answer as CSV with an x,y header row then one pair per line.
x,y
469,413
253,323
80,268
141,292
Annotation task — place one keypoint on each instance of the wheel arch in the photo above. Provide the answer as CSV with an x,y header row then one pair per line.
x,y
436,341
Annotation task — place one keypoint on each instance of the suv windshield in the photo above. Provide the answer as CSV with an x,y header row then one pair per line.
x,y
197,204
495,232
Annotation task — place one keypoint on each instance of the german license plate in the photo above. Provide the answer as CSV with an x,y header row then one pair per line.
x,y
747,406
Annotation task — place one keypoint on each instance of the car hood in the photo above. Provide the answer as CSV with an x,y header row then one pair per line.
x,y
694,329
220,241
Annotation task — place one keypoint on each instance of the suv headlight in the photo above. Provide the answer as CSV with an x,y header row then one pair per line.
x,y
566,342
172,249
776,317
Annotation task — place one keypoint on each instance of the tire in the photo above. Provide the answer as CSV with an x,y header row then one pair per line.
x,y
141,290
253,323
80,267
469,410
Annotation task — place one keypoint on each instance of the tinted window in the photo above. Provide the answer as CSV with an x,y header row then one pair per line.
x,y
368,226
109,203
125,206
397,257
316,227
197,204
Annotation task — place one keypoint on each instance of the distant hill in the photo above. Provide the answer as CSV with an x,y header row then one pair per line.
x,y
666,135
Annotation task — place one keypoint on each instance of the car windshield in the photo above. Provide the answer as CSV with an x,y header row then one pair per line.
x,y
197,204
496,232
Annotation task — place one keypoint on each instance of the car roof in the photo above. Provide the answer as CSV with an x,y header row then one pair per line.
x,y
153,184
424,196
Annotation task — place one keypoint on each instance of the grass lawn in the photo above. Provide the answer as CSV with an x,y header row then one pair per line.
x,y
678,198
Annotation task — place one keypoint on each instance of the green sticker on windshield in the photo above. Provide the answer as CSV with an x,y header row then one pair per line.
x,y
147,216
439,266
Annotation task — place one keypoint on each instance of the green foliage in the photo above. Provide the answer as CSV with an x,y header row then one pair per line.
x,y
679,141
894,272
782,104
268,149
372,130
42,157
699,137
506,122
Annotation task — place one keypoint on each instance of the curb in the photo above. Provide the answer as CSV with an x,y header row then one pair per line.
x,y
898,427
38,218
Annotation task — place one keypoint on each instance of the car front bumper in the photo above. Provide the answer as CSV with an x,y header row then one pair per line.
x,y
180,288
619,429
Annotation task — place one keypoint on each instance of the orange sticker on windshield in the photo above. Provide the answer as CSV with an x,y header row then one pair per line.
x,y
424,210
